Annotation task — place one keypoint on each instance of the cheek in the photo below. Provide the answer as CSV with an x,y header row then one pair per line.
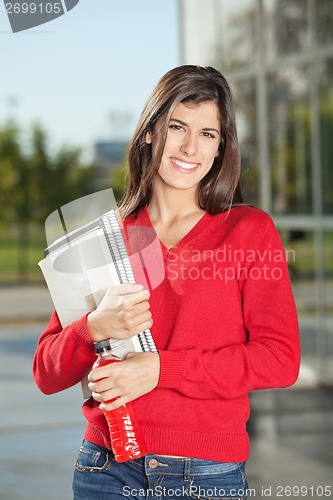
x,y
211,151
210,160
172,142
217,150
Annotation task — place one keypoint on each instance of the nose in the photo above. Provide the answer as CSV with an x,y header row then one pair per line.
x,y
189,145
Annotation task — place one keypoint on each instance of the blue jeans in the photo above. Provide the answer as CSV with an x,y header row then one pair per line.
x,y
98,477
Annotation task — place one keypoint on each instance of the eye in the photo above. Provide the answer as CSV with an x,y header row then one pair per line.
x,y
209,135
176,127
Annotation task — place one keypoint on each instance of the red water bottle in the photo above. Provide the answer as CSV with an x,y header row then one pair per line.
x,y
127,440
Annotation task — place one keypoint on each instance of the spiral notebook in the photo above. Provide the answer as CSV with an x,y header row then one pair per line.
x,y
80,266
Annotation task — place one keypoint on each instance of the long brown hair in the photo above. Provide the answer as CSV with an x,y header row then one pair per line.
x,y
220,188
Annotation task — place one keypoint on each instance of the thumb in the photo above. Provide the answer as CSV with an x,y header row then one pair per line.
x,y
130,355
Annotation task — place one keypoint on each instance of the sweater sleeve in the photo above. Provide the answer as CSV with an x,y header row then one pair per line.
x,y
63,355
269,358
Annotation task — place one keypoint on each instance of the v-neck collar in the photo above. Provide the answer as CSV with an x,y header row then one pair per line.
x,y
196,229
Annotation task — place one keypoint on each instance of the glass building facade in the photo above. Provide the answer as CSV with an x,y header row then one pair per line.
x,y
278,57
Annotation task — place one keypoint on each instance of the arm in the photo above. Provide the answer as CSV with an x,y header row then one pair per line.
x,y
270,356
64,355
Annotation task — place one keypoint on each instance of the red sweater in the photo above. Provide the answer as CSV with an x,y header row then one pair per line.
x,y
225,324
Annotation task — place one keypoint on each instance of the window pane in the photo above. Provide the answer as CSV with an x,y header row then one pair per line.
x,y
286,27
238,34
326,133
245,96
300,251
290,141
323,21
328,271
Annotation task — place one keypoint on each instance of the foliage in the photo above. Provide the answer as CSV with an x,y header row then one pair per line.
x,y
12,168
34,183
118,181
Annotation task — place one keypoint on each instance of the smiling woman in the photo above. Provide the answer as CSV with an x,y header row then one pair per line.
x,y
190,147
187,86
222,329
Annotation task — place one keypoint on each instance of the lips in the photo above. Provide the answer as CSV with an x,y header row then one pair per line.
x,y
184,166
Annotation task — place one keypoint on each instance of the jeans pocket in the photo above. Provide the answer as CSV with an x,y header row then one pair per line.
x,y
230,484
93,458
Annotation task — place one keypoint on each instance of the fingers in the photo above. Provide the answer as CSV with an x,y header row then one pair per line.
x,y
126,296
122,313
135,323
125,288
109,397
120,401
118,383
110,400
127,302
97,375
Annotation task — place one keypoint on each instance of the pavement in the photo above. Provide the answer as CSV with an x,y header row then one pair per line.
x,y
24,303
291,430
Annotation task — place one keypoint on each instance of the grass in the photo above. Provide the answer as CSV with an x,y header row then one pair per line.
x,y
14,270
18,265
303,256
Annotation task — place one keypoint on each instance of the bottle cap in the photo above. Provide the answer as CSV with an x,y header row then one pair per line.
x,y
102,346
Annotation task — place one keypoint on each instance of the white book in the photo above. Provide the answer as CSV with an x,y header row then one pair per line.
x,y
79,268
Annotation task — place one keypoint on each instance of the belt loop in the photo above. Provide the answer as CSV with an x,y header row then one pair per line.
x,y
187,469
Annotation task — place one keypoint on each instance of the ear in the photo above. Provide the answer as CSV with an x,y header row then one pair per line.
x,y
148,137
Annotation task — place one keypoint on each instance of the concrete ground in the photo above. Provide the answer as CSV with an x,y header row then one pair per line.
x,y
291,430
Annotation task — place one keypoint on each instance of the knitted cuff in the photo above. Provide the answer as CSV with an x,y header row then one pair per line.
x,y
172,374
80,330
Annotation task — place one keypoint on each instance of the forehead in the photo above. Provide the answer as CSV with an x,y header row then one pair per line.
x,y
206,113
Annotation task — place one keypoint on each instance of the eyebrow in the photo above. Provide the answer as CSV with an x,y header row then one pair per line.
x,y
206,129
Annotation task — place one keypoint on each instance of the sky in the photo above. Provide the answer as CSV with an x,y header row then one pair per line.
x,y
86,75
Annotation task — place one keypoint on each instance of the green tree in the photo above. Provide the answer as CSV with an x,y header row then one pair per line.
x,y
11,164
117,178
326,147
34,183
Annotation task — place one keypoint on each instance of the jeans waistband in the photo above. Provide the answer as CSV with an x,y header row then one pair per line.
x,y
157,464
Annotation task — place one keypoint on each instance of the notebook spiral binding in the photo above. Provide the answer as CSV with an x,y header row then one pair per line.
x,y
115,241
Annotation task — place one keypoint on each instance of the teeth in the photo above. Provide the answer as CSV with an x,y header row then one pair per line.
x,y
182,164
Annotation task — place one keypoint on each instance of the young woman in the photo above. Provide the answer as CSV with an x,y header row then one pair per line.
x,y
223,317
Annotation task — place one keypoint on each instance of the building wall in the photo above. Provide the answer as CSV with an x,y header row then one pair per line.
x,y
278,57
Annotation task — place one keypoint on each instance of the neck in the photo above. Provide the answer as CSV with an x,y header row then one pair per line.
x,y
171,204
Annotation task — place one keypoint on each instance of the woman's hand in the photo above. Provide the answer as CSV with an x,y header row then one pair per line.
x,y
125,380
123,312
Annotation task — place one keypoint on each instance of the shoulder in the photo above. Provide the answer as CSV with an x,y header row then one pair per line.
x,y
138,218
255,226
246,224
245,215
250,213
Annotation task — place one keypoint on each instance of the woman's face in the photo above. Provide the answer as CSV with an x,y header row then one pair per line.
x,y
192,143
